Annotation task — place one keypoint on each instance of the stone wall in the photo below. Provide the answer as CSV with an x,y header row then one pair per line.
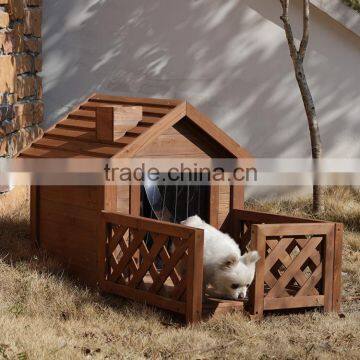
x,y
21,102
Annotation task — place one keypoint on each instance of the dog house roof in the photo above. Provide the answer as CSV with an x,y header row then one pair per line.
x,y
75,135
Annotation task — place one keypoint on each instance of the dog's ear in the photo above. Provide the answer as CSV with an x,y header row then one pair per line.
x,y
251,257
229,261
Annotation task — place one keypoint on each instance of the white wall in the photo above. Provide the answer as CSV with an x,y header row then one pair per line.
x,y
230,58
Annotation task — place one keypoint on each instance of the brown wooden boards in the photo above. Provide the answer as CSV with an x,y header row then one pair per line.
x,y
154,279
67,221
213,307
338,249
114,122
300,262
78,131
299,265
169,144
34,215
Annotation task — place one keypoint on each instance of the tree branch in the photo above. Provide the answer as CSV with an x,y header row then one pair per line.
x,y
285,5
305,38
288,30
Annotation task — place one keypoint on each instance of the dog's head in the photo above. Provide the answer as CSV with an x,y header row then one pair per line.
x,y
236,274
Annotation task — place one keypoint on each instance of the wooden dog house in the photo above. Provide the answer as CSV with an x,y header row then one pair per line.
x,y
104,235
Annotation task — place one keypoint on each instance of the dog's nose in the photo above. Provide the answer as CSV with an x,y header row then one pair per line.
x,y
241,296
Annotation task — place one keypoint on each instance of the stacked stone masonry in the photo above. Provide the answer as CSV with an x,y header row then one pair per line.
x,y
21,102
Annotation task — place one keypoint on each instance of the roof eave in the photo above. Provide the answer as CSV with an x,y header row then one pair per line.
x,y
216,133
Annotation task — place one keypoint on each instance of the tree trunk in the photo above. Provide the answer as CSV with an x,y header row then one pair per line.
x,y
316,148
297,57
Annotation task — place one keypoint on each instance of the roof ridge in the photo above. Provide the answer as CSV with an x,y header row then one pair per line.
x,y
78,136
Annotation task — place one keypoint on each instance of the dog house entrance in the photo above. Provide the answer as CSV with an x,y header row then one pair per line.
x,y
176,201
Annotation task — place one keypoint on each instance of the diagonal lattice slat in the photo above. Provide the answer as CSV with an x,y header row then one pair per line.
x,y
141,260
168,267
149,260
154,262
179,290
145,254
132,263
315,257
127,256
311,282
281,252
165,257
285,260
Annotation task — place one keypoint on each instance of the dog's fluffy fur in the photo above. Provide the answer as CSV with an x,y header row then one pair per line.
x,y
229,273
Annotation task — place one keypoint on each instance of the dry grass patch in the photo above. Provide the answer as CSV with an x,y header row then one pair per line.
x,y
45,315
342,204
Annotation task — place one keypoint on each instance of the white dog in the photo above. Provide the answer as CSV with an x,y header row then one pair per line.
x,y
229,273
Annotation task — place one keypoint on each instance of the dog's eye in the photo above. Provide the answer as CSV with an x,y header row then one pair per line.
x,y
235,286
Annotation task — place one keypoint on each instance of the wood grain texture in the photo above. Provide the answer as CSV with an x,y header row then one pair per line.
x,y
301,265
135,198
268,218
123,199
114,122
213,307
195,277
257,288
175,230
293,303
105,131
135,100
144,281
171,143
76,135
338,250
328,275
156,111
224,205
34,215
68,227
154,131
214,205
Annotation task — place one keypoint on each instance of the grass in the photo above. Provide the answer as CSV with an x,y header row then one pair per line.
x,y
44,315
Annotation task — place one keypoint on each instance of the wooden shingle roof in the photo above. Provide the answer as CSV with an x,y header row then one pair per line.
x,y
75,135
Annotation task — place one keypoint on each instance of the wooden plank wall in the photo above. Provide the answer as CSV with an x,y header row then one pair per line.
x,y
123,199
171,143
68,225
224,204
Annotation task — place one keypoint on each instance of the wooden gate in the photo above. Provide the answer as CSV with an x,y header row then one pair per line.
x,y
296,266
154,262
300,263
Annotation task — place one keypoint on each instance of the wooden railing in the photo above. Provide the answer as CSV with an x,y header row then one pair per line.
x,y
161,264
154,262
300,263
242,220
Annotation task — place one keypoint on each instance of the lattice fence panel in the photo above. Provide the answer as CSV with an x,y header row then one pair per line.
x,y
300,264
148,261
293,266
155,262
